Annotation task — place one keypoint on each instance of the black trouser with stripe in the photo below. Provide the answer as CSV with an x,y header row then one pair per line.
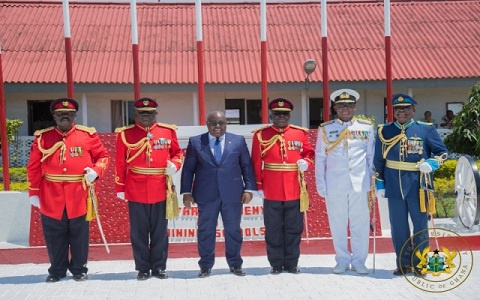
x,y
148,235
64,235
283,232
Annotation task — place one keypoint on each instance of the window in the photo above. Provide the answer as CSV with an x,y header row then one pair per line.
x,y
237,114
456,107
122,113
315,112
39,116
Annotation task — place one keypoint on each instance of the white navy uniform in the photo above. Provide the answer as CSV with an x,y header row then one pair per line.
x,y
343,173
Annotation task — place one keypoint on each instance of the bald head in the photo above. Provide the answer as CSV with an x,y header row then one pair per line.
x,y
215,114
216,123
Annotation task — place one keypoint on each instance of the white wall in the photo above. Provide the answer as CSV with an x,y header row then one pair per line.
x,y
178,108
15,220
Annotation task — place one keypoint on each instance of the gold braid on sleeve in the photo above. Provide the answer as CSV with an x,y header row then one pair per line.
x,y
442,158
266,145
47,152
141,145
344,135
388,144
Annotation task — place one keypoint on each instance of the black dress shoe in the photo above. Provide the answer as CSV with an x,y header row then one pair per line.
x,y
54,278
276,270
80,277
402,271
143,275
418,272
160,274
293,270
238,271
204,272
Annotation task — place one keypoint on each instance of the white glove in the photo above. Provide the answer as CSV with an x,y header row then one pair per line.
x,y
380,193
35,201
91,174
302,165
121,195
171,169
322,193
260,194
425,167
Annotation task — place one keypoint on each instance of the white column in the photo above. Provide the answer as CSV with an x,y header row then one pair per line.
x,y
84,110
196,118
410,92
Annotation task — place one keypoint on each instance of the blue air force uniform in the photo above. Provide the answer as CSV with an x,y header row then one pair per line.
x,y
399,149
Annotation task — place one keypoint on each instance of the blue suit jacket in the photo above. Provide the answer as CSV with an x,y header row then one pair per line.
x,y
205,179
423,141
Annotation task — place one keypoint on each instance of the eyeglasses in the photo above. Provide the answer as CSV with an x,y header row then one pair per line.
x,y
215,123
64,113
405,108
281,113
146,112
347,105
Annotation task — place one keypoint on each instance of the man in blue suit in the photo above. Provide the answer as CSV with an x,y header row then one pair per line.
x,y
218,176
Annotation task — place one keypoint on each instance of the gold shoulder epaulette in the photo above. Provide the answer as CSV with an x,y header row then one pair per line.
x,y
365,121
171,126
120,129
326,123
261,128
40,131
90,130
299,127
381,125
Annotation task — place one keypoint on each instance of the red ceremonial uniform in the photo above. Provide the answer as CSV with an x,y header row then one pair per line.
x,y
272,145
141,154
56,169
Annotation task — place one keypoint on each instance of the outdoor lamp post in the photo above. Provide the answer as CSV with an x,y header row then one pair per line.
x,y
309,66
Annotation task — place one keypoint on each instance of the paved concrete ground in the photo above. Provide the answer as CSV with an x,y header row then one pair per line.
x,y
116,280
109,279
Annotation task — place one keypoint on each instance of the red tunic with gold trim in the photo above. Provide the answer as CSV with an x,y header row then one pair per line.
x,y
141,158
56,169
285,146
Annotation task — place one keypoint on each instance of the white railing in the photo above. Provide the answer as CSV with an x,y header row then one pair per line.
x,y
20,152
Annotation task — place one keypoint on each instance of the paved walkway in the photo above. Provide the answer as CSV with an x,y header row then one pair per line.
x,y
116,280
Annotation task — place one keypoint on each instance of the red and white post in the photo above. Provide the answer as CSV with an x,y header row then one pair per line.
x,y
136,66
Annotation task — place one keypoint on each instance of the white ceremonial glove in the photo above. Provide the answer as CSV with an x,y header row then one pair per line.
x,y
171,169
260,194
322,193
91,174
380,193
302,165
425,167
121,195
35,201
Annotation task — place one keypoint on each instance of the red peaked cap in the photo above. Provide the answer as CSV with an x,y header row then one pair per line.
x,y
145,104
280,104
63,104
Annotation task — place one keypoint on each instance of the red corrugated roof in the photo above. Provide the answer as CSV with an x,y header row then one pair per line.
x,y
430,39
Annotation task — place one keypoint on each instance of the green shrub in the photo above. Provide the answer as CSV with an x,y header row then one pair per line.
x,y
16,186
447,170
16,174
445,197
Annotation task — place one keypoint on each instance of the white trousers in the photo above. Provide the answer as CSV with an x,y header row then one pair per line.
x,y
349,210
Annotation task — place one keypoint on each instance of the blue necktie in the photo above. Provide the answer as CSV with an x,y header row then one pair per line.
x,y
217,150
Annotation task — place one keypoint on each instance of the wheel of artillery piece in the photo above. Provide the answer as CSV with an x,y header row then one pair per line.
x,y
467,185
